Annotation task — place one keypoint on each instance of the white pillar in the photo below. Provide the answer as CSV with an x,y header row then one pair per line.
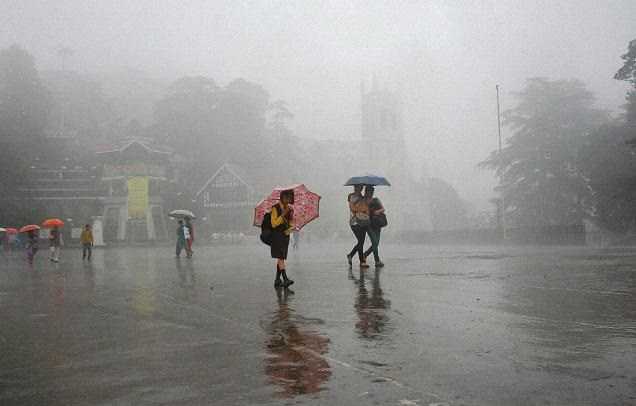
x,y
98,232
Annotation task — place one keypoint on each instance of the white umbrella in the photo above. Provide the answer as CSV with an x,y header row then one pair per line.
x,y
182,214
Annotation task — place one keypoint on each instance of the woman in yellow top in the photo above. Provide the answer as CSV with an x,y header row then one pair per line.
x,y
87,242
282,225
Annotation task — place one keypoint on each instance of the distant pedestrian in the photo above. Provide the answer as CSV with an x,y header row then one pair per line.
x,y
181,238
189,237
282,216
296,235
359,223
31,245
86,238
377,221
4,237
55,242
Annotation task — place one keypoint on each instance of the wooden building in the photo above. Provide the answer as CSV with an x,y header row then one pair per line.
x,y
227,201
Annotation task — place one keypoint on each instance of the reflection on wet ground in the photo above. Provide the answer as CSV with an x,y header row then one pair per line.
x,y
373,319
458,325
295,350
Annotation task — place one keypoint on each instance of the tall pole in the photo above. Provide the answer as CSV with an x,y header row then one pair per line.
x,y
502,202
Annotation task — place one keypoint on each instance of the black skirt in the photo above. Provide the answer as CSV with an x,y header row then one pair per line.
x,y
280,244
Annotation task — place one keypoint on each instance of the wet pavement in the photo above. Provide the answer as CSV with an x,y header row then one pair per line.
x,y
444,326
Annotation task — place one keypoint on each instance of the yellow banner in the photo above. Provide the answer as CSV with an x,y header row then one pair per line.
x,y
137,197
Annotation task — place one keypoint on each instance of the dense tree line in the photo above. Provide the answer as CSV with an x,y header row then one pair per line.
x,y
62,117
566,160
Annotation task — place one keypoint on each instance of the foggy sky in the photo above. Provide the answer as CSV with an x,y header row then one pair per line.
x,y
444,57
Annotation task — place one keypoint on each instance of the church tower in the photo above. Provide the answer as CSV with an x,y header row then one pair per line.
x,y
384,150
382,131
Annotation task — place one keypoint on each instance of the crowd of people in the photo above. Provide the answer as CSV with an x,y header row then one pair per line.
x,y
367,217
30,241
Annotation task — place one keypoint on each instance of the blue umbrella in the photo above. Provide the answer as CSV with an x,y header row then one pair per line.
x,y
368,180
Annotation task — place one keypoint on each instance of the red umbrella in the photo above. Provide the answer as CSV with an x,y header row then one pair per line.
x,y
306,205
11,230
50,223
30,227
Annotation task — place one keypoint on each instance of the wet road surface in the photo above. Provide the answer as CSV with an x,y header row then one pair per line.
x,y
455,326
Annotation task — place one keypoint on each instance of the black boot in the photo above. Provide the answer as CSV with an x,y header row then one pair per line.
x,y
277,282
286,281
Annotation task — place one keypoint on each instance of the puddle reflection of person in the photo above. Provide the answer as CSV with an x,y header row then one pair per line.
x,y
371,310
187,276
295,348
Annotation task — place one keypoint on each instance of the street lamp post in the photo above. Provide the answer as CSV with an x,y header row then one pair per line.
x,y
502,201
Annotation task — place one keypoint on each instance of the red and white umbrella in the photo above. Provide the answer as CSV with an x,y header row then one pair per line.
x,y
306,205
30,227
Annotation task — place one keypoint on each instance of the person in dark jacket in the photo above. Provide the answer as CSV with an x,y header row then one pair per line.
x,y
282,216
31,245
181,238
375,209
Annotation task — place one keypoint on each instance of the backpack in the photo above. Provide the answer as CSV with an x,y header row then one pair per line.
x,y
266,229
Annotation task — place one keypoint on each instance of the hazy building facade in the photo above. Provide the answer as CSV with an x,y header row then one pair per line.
x,y
136,178
383,152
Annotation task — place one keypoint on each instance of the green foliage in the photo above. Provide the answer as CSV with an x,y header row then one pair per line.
x,y
24,102
79,108
210,125
539,166
628,73
610,169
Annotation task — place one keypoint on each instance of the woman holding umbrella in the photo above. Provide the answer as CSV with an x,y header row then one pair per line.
x,y
282,225
55,237
55,242
359,222
277,220
378,220
367,216
32,241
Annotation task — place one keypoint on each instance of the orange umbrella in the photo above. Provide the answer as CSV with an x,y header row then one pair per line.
x,y
30,227
50,223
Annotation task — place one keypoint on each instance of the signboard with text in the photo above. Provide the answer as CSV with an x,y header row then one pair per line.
x,y
137,197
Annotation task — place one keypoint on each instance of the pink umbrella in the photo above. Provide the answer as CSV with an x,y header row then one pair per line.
x,y
306,205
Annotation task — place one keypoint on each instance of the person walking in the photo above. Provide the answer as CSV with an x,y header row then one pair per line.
x,y
296,235
359,223
86,238
55,242
181,238
189,237
282,215
377,221
31,245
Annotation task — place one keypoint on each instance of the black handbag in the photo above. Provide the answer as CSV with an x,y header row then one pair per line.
x,y
379,221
